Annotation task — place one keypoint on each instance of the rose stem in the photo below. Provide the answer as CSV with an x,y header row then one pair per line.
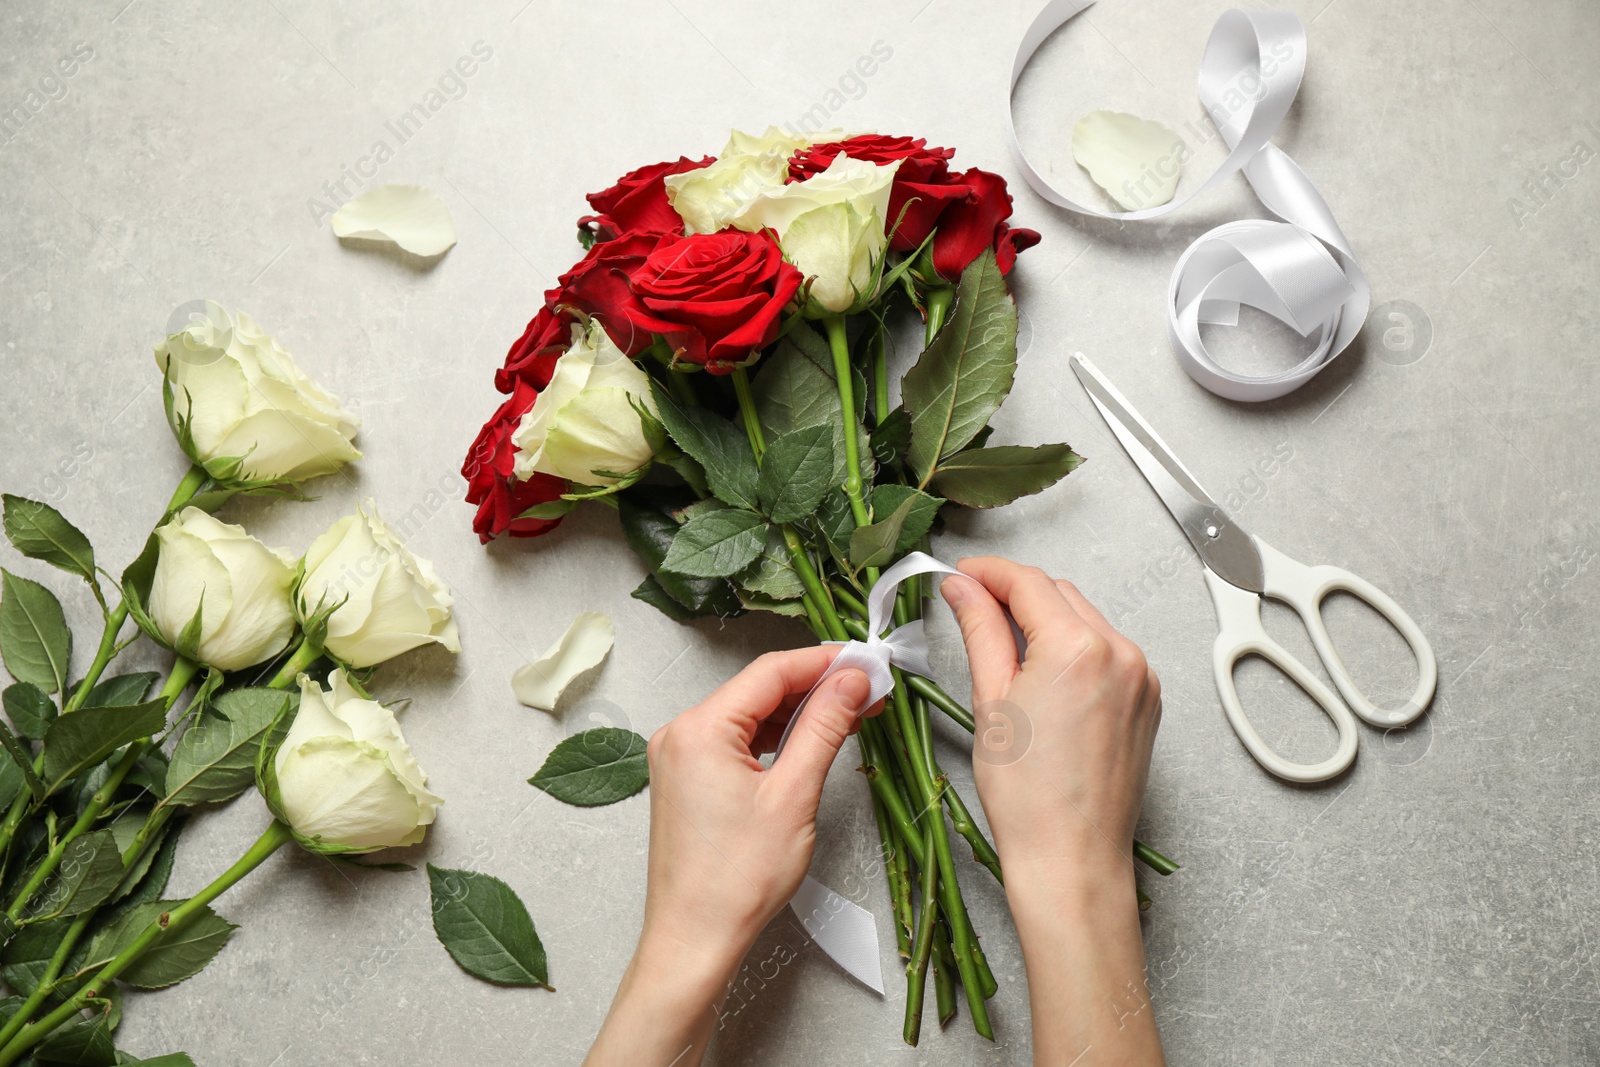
x,y
896,872
190,484
917,965
48,982
305,654
747,408
840,347
168,924
944,969
880,377
183,669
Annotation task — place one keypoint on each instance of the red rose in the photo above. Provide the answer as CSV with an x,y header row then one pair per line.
x,y
922,186
533,356
715,297
639,201
968,226
488,468
599,286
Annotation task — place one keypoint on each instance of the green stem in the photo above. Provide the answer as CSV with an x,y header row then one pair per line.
x,y
1153,859
922,949
840,347
944,971
896,873
47,981
183,670
169,924
880,375
305,654
747,408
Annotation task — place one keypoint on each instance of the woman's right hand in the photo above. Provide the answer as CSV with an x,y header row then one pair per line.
x,y
1061,754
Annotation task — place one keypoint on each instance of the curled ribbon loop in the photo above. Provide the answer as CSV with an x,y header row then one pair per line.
x,y
1301,271
905,647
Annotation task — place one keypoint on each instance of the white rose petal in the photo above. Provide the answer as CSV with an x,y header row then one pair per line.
x,y
407,215
582,648
1134,160
389,600
346,776
239,586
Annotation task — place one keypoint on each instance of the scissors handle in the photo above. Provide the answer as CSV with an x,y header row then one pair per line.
x,y
1239,616
1304,589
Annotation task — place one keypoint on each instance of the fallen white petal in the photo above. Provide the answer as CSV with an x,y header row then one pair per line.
x,y
408,215
1134,160
539,684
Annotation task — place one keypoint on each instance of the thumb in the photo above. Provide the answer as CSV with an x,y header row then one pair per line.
x,y
826,721
991,648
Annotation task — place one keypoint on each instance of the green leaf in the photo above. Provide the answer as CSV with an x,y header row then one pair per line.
x,y
171,1059
486,928
215,759
27,955
83,1043
597,767
960,380
22,756
716,544
990,477
147,879
91,867
11,784
873,545
175,955
29,709
41,532
720,448
796,473
792,389
78,741
892,437
34,639
888,497
123,690
651,592
648,523
772,575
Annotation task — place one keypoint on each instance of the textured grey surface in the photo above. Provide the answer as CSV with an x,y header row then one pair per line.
x,y
1435,906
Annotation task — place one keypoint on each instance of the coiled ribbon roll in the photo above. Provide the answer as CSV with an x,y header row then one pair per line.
x,y
1301,271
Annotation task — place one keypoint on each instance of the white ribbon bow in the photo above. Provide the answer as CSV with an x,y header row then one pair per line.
x,y
847,932
1300,271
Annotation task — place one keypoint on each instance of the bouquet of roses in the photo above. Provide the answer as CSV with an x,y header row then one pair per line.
x,y
716,369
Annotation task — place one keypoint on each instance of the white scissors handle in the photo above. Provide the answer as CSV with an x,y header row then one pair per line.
x,y
1304,589
1239,616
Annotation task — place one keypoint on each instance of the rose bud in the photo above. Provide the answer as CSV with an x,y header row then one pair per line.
x,y
344,778
243,410
585,426
831,226
218,595
381,600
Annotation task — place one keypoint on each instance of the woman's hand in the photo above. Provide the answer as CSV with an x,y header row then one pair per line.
x,y
730,842
1060,755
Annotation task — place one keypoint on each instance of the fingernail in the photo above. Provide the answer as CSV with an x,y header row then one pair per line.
x,y
852,688
954,592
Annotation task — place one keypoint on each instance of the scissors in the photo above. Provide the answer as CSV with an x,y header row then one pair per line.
x,y
1240,569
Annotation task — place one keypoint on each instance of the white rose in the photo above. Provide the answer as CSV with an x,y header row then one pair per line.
x,y
831,226
237,585
390,601
583,427
345,775
709,198
250,412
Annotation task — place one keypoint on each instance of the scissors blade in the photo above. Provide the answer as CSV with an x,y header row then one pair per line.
x,y
1223,545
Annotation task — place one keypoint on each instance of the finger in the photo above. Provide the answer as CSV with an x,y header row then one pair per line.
x,y
751,696
1032,597
771,730
827,719
1086,611
991,650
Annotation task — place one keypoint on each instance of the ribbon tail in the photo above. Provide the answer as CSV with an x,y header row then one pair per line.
x,y
845,931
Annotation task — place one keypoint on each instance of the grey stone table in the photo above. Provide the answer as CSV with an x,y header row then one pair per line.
x,y
1436,905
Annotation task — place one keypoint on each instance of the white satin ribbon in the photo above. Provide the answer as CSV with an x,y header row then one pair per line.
x,y
847,932
1300,271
